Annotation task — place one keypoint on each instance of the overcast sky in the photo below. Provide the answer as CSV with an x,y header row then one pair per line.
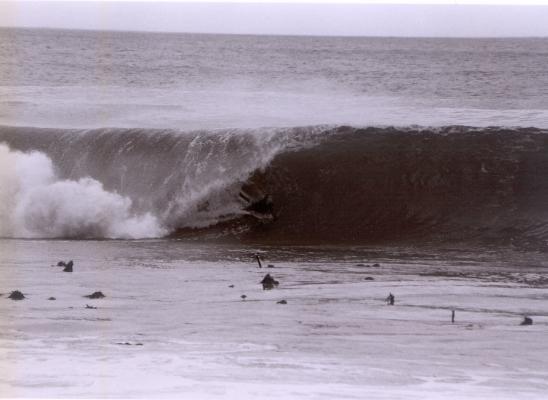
x,y
288,19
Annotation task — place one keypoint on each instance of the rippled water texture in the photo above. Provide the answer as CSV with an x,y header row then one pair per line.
x,y
189,81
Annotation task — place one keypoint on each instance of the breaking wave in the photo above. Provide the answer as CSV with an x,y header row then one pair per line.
x,y
128,183
34,202
327,184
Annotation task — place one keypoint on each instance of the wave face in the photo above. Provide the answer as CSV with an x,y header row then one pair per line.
x,y
328,184
388,184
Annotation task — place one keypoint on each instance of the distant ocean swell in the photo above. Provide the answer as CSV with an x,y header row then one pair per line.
x,y
326,184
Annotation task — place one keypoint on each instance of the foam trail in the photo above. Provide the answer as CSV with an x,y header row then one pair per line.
x,y
34,202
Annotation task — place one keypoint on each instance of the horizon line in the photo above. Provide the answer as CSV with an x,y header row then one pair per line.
x,y
268,34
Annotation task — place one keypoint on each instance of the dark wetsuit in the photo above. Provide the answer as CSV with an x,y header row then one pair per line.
x,y
264,206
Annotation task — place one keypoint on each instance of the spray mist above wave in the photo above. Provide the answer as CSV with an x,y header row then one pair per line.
x,y
34,202
218,107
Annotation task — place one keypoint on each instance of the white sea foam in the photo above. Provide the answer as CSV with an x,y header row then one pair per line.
x,y
34,202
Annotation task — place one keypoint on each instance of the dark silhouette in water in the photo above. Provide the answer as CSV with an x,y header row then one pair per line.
x,y
390,299
269,282
527,321
259,260
52,298
95,295
264,206
259,205
16,295
452,316
68,266
61,264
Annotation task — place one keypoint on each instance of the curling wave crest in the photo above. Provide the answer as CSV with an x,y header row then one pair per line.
x,y
127,183
318,184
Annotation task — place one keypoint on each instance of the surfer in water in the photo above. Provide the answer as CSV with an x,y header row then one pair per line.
x,y
263,207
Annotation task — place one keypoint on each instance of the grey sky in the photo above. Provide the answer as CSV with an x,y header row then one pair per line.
x,y
300,19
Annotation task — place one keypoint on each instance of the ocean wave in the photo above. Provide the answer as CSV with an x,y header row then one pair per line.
x,y
335,184
130,183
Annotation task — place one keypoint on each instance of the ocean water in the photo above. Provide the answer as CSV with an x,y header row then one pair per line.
x,y
185,81
163,163
355,139
173,323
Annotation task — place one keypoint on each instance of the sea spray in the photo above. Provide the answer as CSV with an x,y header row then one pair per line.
x,y
34,202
